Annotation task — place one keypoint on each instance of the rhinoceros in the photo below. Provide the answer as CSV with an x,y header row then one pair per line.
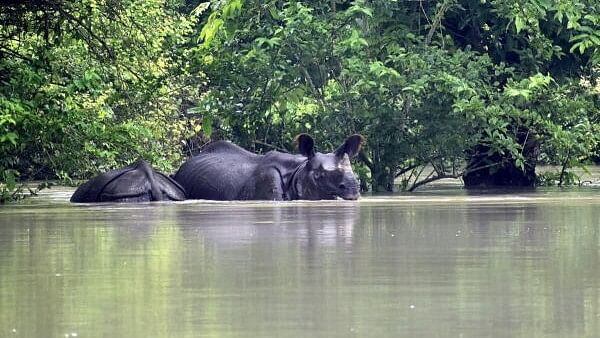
x,y
225,171
135,183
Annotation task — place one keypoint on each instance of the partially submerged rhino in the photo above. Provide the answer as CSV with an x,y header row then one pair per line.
x,y
225,171
135,183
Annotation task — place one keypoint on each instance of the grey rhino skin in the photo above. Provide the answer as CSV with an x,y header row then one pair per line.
x,y
225,171
135,183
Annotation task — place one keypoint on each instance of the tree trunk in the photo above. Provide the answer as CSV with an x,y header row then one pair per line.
x,y
383,180
496,170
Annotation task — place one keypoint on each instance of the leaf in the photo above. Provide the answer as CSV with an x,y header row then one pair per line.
x,y
210,30
201,8
9,137
595,39
514,92
232,8
357,8
558,16
274,13
207,126
574,47
270,42
519,23
578,37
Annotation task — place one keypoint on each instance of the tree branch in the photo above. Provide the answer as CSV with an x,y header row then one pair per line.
x,y
17,55
87,29
437,21
431,179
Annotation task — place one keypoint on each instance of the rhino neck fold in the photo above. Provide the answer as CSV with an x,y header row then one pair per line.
x,y
291,184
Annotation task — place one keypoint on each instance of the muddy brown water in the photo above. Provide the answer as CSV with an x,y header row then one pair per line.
x,y
440,263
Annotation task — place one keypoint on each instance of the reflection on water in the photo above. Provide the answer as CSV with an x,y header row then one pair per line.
x,y
431,264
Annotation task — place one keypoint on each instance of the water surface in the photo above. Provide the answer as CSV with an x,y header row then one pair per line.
x,y
440,263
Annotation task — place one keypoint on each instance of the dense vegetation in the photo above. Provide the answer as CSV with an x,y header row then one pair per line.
x,y
478,89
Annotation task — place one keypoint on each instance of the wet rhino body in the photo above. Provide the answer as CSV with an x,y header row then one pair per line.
x,y
135,183
225,171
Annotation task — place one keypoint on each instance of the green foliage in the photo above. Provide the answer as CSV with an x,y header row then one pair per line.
x,y
9,190
90,85
560,178
424,82
12,190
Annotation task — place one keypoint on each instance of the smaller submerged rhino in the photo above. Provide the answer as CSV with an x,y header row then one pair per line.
x,y
225,171
135,183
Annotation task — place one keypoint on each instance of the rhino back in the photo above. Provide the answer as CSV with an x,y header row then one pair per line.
x,y
138,182
91,190
218,172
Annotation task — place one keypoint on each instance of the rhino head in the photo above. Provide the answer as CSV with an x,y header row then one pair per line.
x,y
330,175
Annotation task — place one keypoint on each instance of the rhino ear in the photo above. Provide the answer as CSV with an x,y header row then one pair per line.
x,y
306,145
351,146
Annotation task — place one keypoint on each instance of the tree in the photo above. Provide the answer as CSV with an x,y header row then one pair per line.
x,y
479,90
92,85
441,89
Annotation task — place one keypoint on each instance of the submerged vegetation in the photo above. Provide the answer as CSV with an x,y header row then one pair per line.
x,y
481,90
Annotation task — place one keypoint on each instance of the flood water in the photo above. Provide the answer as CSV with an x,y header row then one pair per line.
x,y
433,264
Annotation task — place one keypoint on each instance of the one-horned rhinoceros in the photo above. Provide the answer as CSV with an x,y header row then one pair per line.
x,y
225,171
135,183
